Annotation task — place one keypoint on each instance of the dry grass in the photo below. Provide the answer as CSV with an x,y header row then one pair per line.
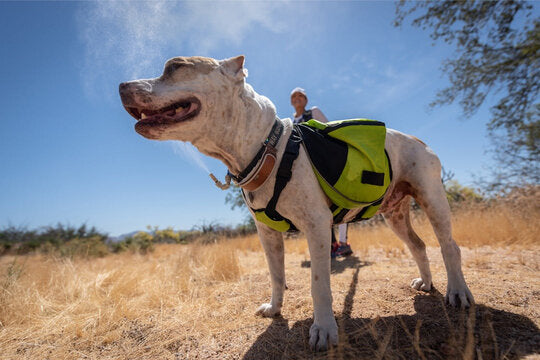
x,y
197,301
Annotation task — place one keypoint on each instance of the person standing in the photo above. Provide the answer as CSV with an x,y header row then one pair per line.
x,y
299,102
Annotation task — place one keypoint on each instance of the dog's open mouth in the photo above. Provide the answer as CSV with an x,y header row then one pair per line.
x,y
174,113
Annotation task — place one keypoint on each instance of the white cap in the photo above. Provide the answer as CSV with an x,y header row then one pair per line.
x,y
299,90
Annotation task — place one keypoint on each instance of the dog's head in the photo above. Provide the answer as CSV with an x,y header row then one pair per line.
x,y
176,105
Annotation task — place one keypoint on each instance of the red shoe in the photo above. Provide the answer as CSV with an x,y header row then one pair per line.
x,y
334,249
343,250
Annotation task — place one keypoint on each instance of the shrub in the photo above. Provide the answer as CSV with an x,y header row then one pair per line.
x,y
456,193
63,240
168,235
85,247
142,242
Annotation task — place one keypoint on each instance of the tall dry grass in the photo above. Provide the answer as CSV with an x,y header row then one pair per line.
x,y
43,297
67,308
512,221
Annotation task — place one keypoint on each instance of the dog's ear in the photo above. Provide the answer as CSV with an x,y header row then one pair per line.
x,y
234,67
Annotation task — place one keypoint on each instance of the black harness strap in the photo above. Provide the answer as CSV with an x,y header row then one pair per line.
x,y
340,215
284,174
372,178
306,116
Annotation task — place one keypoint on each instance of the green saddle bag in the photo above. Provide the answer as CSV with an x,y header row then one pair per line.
x,y
350,162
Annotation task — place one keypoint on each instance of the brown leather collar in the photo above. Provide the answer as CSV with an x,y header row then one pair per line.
x,y
261,166
263,170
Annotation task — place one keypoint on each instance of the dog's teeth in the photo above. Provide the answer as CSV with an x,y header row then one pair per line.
x,y
143,116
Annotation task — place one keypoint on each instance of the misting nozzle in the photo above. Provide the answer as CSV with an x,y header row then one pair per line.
x,y
214,178
219,184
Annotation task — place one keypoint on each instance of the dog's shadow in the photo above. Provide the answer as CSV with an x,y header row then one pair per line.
x,y
338,265
434,332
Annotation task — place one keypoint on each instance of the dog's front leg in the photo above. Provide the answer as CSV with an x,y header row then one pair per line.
x,y
324,331
272,242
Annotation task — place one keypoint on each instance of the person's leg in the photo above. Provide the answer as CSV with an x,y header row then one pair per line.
x,y
335,244
343,249
343,233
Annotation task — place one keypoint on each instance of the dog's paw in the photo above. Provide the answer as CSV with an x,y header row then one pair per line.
x,y
461,295
418,284
267,310
321,337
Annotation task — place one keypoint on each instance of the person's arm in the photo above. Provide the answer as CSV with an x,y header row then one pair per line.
x,y
317,114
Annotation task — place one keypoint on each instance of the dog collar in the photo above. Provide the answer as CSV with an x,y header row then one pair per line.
x,y
259,169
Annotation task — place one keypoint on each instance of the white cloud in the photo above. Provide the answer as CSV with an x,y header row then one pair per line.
x,y
213,23
133,37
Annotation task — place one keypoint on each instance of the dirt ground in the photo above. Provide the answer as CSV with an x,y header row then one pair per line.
x,y
379,315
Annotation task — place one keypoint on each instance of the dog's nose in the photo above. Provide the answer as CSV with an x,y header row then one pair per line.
x,y
122,87
125,94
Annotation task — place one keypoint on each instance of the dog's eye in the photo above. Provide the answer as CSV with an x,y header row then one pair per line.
x,y
171,68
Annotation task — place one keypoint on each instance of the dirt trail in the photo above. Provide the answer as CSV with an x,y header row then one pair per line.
x,y
380,316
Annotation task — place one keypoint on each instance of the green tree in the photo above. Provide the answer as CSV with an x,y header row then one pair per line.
x,y
234,198
497,47
457,193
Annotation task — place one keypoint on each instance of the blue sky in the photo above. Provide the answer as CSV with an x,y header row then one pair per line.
x,y
68,151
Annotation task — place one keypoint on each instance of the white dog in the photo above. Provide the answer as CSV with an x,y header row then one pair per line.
x,y
208,103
